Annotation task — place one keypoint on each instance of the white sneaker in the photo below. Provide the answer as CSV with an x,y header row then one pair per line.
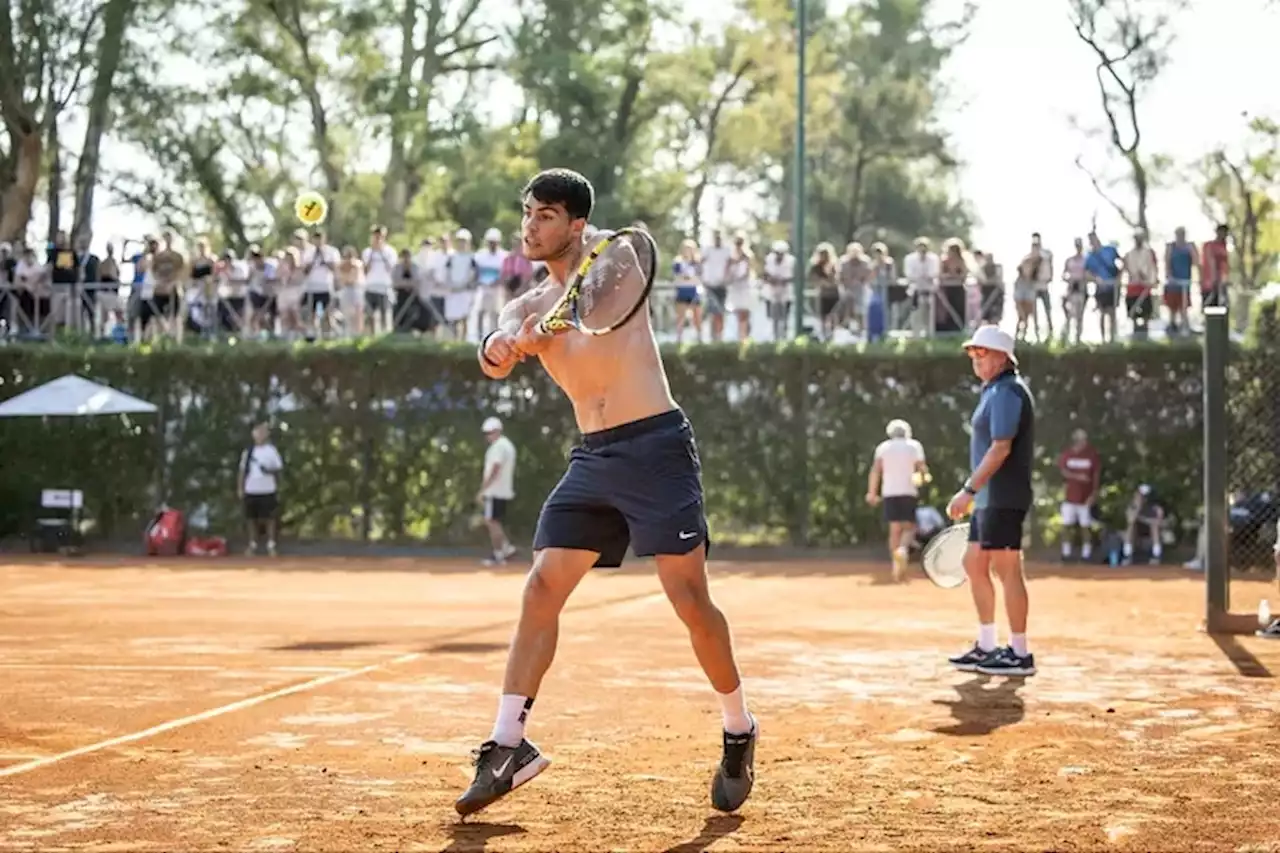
x,y
1271,632
508,551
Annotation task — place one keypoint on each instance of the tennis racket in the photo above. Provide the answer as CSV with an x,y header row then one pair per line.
x,y
943,557
611,283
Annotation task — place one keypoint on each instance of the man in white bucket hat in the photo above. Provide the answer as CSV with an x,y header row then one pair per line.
x,y
998,493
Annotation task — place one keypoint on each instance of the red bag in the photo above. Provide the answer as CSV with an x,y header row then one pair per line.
x,y
206,546
166,535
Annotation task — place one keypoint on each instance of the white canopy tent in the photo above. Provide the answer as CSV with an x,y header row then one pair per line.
x,y
73,396
70,396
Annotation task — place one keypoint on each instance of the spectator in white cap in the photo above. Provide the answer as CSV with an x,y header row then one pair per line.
x,y
998,493
779,278
492,295
460,276
497,488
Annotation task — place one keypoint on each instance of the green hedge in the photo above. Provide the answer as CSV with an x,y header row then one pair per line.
x,y
382,438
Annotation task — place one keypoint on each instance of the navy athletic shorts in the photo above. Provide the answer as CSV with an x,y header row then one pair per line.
x,y
638,485
996,529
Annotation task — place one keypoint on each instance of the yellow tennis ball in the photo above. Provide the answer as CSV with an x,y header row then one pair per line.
x,y
311,208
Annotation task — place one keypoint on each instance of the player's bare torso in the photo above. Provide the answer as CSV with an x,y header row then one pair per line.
x,y
611,379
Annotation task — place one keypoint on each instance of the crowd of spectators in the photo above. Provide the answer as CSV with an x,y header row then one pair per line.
x,y
450,286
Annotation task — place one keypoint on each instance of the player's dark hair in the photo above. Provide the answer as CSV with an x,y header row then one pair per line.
x,y
564,187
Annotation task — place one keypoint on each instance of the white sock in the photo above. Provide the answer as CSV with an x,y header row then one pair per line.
x,y
513,713
987,637
1019,643
1157,550
1086,550
1066,548
1128,550
733,707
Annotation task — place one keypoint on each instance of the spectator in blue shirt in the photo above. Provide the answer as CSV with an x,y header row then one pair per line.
x,y
1103,267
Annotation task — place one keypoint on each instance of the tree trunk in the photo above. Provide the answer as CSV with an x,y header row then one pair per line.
x,y
1141,188
15,209
115,23
53,186
395,197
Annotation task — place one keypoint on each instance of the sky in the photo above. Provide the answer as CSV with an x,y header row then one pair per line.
x,y
1016,85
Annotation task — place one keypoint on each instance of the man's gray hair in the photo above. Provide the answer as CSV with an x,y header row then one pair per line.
x,y
898,428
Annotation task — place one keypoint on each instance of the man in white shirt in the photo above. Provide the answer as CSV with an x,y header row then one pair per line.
x,y
897,470
319,265
259,487
492,294
379,262
715,281
497,488
921,268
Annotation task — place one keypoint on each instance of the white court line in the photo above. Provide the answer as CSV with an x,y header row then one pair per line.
x,y
129,667
205,715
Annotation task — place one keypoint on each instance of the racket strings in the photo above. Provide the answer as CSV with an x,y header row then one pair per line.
x,y
616,280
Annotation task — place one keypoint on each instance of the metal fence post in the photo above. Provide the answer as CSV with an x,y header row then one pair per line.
x,y
1216,557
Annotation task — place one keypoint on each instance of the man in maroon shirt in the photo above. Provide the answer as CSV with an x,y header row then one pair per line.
x,y
1082,473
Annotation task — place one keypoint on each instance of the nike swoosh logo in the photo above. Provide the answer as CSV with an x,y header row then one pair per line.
x,y
503,769
689,535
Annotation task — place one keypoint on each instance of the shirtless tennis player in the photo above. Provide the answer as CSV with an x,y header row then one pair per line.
x,y
634,478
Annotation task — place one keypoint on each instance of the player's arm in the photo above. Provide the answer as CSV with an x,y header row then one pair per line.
x,y
498,353
1006,414
1097,481
873,481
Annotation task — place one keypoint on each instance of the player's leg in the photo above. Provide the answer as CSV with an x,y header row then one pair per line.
x,y
659,492
1155,533
1003,544
1068,514
573,534
1084,518
977,568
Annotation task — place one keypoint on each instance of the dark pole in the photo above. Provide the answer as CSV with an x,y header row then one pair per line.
x,y
802,266
1217,570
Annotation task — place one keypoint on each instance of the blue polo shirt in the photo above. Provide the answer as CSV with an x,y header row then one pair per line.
x,y
1104,264
1005,411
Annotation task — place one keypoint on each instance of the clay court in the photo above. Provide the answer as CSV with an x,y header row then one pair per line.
x,y
332,705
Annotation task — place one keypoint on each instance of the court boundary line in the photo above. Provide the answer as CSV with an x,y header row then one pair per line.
x,y
321,681
208,714
142,667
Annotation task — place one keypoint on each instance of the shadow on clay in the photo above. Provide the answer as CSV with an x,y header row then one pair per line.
x,y
716,827
475,837
981,708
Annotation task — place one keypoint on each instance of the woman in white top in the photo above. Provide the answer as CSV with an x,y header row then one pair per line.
x,y
289,285
897,471
739,278
350,284
687,270
779,278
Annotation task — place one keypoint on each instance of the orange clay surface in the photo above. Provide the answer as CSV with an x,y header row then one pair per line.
x,y
332,705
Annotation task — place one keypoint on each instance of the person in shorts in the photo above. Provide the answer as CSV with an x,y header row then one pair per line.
x,y
1271,631
1081,470
897,469
497,489
998,493
259,488
633,481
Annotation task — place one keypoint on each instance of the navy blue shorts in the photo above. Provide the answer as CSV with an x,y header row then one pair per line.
x,y
638,484
996,529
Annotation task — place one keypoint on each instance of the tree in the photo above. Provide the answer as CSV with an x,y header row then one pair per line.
x,y
43,54
1130,40
1242,191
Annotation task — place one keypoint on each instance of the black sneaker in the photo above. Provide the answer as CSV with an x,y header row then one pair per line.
x,y
1271,632
499,771
968,662
736,773
1008,662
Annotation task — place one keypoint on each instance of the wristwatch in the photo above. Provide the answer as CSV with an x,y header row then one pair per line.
x,y
968,487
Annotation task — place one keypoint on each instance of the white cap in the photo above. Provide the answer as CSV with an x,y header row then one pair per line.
x,y
993,338
493,235
462,234
491,424
781,246
898,428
